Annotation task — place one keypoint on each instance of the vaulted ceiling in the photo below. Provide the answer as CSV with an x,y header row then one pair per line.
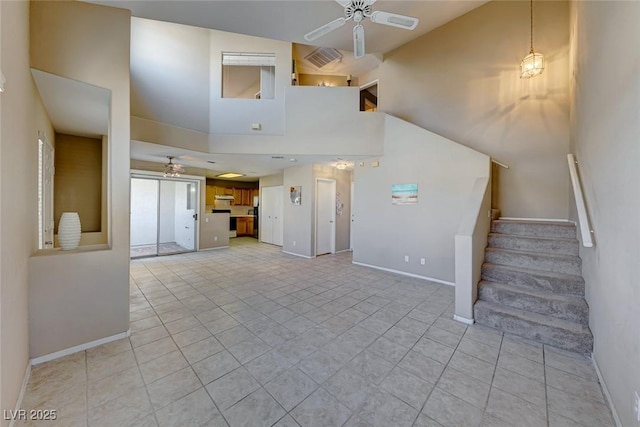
x,y
169,81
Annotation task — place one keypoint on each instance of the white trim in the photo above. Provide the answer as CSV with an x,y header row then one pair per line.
x,y
213,249
369,84
23,390
616,418
404,273
77,348
300,255
463,320
344,250
508,218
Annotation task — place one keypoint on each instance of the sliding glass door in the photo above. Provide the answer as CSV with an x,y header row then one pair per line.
x,y
163,216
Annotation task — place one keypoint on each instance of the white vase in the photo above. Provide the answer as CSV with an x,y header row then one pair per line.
x,y
69,231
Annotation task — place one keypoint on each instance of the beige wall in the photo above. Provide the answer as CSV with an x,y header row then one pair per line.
x,y
75,298
78,180
20,107
462,81
604,137
445,173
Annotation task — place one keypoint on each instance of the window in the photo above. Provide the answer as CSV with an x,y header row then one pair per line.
x,y
248,75
45,193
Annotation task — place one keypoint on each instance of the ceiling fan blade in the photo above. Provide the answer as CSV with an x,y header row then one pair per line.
x,y
394,20
358,41
343,3
326,28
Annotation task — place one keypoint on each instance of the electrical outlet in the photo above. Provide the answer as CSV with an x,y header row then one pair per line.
x,y
406,258
215,238
637,407
422,261
294,243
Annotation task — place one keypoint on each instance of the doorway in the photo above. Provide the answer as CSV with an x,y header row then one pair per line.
x,y
369,96
163,216
325,216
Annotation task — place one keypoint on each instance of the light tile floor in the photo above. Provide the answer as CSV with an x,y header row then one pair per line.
x,y
249,336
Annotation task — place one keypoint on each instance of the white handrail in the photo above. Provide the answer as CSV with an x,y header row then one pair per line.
x,y
499,163
583,218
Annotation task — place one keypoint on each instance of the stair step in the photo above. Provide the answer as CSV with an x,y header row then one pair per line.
x,y
535,260
542,280
545,329
535,228
567,307
549,245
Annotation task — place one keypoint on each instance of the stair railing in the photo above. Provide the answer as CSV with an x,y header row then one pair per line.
x,y
583,218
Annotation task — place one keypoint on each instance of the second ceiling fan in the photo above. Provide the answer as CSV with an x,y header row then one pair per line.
x,y
358,10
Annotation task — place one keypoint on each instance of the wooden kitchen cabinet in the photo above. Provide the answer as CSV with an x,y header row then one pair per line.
x,y
210,195
250,225
246,197
241,226
254,193
237,195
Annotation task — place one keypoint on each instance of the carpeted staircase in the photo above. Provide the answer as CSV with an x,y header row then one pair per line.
x,y
532,284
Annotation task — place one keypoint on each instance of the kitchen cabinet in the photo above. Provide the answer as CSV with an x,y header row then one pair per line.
x,y
237,195
241,227
210,195
244,226
247,200
242,196
254,193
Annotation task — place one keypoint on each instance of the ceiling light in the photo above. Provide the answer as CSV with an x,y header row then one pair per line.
x,y
341,165
171,169
532,64
229,175
293,159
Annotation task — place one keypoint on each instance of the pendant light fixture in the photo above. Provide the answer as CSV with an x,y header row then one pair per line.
x,y
532,64
171,169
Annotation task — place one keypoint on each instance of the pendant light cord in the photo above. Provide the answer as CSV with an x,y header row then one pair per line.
x,y
531,15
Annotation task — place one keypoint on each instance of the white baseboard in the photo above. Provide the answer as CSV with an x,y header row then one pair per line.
x,y
77,348
463,320
300,255
607,396
23,390
344,250
213,249
404,273
508,218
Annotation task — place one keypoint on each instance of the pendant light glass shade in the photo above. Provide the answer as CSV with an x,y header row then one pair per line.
x,y
532,64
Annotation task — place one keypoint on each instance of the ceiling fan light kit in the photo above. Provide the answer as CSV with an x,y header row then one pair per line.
x,y
172,170
357,11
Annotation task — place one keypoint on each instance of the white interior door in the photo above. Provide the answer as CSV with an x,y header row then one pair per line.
x,y
325,216
271,229
352,219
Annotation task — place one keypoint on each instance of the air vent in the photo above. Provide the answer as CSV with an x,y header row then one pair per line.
x,y
323,56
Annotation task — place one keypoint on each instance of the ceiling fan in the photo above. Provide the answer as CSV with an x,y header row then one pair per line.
x,y
172,169
358,10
